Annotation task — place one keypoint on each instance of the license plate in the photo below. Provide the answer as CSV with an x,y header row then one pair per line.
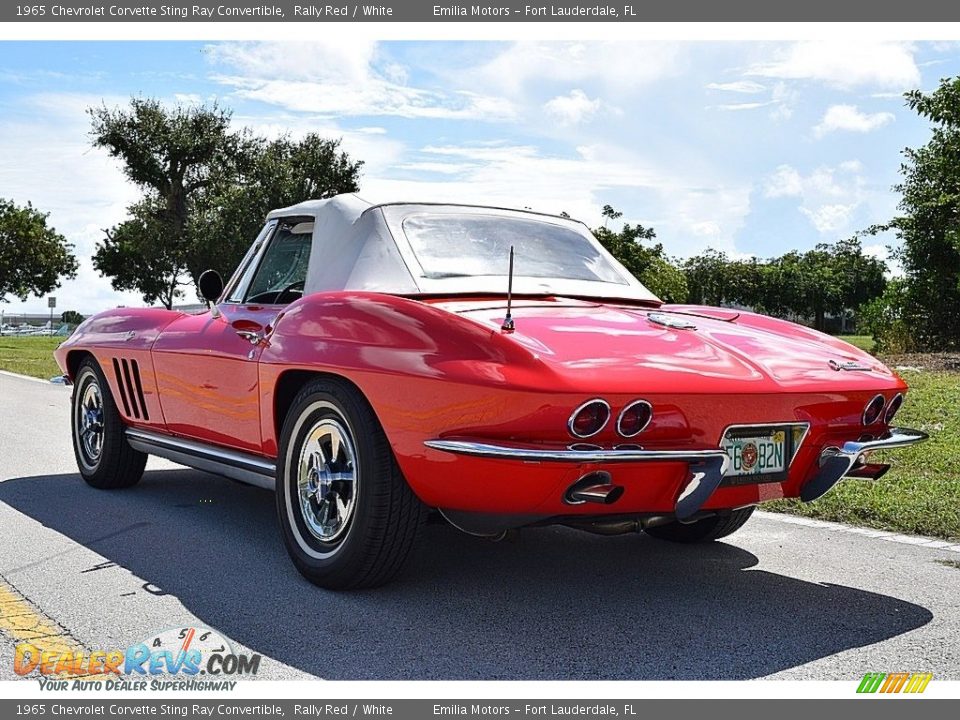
x,y
757,453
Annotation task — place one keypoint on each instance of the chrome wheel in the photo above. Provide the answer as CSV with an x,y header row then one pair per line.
x,y
90,423
327,480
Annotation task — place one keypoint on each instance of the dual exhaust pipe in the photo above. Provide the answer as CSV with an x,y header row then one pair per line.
x,y
594,487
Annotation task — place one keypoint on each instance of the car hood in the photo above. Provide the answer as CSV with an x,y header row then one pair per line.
x,y
617,347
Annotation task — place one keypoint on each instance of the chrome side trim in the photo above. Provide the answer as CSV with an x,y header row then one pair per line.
x,y
234,464
838,466
534,454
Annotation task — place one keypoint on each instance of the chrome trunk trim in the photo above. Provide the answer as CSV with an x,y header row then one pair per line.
x,y
591,456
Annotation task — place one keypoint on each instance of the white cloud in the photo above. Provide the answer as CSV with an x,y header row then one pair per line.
x,y
623,66
341,78
829,196
188,98
848,117
785,182
743,106
845,64
829,218
784,100
373,145
572,109
47,161
707,227
748,87
691,213
781,102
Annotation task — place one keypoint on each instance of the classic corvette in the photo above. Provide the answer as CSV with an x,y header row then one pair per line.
x,y
378,363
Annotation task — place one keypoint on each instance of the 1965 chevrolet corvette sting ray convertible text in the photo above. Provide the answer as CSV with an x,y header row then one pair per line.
x,y
369,363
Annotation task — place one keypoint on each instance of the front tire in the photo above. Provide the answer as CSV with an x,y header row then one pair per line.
x,y
105,458
347,515
706,530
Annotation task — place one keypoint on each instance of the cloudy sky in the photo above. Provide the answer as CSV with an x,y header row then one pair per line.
x,y
753,148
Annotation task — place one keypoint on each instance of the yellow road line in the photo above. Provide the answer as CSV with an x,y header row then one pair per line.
x,y
23,622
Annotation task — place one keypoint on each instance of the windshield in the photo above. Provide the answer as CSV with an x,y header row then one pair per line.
x,y
468,245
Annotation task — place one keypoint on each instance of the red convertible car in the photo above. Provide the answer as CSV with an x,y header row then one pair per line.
x,y
373,363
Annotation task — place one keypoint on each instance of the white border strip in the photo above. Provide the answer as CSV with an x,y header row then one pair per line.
x,y
492,31
918,540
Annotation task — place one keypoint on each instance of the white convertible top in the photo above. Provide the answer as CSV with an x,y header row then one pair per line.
x,y
357,245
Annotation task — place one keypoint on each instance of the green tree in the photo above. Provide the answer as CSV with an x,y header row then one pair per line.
x,y
861,278
141,254
648,263
71,317
882,317
709,278
270,175
830,279
33,255
929,223
171,155
206,190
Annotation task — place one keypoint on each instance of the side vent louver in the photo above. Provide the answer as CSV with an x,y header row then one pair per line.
x,y
131,388
139,386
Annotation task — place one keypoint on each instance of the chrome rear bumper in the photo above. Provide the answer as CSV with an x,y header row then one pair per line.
x,y
838,466
590,456
706,468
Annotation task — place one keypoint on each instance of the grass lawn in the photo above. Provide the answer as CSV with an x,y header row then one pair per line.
x,y
32,355
864,342
920,494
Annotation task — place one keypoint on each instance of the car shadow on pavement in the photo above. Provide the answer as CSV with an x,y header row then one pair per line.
x,y
552,604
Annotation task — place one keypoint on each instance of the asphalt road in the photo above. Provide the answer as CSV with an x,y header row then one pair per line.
x,y
779,599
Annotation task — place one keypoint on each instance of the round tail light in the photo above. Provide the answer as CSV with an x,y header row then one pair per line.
x,y
873,410
892,408
589,419
634,418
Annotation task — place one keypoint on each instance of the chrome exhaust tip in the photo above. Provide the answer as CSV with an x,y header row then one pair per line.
x,y
869,471
594,487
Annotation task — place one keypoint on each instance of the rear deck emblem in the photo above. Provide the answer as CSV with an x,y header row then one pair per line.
x,y
849,366
670,321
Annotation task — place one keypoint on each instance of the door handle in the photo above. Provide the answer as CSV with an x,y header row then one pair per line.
x,y
253,337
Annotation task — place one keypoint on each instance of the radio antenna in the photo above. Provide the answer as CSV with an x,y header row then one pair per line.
x,y
508,318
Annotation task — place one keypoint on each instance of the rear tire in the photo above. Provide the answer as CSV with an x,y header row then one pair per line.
x,y
347,515
104,457
706,530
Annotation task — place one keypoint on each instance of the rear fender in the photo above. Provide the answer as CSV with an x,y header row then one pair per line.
x,y
395,351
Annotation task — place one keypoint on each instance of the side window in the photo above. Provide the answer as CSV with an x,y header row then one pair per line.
x,y
241,278
282,271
